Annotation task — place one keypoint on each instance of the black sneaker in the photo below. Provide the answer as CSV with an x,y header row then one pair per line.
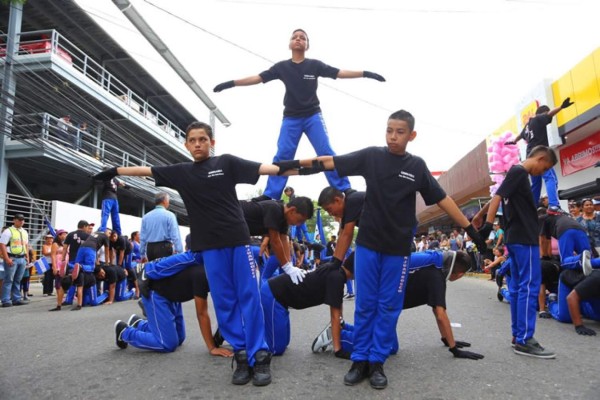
x,y
532,348
120,326
143,280
218,338
358,372
262,368
57,308
242,373
262,197
555,210
6,305
377,378
349,191
134,320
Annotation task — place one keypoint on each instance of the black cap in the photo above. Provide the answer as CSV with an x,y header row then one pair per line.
x,y
20,217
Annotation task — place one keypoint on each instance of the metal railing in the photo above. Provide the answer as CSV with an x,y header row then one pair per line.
x,y
51,41
34,210
42,128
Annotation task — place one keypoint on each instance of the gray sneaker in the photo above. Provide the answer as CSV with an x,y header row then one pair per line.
x,y
532,348
586,263
323,340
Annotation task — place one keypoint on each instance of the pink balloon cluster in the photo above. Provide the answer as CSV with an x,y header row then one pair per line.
x,y
500,158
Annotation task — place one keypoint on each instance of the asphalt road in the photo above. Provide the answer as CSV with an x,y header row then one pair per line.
x,y
72,355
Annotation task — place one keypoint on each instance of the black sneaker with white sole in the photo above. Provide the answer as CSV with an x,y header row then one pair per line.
x,y
120,326
134,320
532,348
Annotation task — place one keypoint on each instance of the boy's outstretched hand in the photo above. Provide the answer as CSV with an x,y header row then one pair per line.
x,y
373,75
106,175
223,86
566,103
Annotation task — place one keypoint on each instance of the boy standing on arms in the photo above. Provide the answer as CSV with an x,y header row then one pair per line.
x,y
522,231
383,244
536,134
207,187
302,111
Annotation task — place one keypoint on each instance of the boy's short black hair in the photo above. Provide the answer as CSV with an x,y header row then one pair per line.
x,y
542,109
304,206
199,125
405,116
548,153
328,195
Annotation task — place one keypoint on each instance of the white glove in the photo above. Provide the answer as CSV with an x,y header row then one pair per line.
x,y
295,273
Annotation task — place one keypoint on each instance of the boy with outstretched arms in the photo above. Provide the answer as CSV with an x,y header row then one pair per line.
x,y
302,111
388,222
207,187
535,134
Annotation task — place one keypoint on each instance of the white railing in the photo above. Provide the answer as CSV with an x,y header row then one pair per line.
x,y
43,128
51,41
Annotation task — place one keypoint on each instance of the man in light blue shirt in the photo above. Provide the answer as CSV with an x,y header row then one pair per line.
x,y
160,231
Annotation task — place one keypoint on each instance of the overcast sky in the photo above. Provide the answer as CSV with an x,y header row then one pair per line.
x,y
459,66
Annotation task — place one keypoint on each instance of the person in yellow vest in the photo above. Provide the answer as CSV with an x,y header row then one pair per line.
x,y
15,253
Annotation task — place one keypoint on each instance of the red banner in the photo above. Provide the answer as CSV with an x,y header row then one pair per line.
x,y
580,155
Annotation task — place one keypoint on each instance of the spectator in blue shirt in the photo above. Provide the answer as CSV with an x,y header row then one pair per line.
x,y
160,235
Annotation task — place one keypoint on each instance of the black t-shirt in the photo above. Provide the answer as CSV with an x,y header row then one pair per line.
x,y
109,189
96,240
425,286
535,132
520,214
208,191
74,240
353,206
301,82
321,286
388,221
555,225
122,243
264,215
184,285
